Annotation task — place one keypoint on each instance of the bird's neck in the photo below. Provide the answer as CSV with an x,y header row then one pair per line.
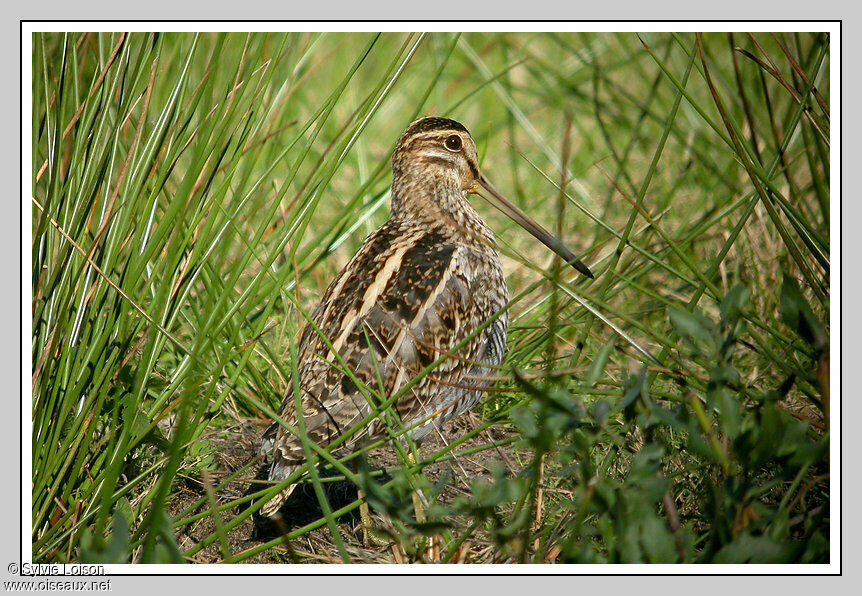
x,y
439,203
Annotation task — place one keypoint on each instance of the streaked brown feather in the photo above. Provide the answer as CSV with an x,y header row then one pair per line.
x,y
425,308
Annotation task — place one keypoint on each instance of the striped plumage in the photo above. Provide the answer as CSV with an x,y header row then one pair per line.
x,y
421,284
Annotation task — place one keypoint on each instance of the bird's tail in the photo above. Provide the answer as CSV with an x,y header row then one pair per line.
x,y
280,469
272,508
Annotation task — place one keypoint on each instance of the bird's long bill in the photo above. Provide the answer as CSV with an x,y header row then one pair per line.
x,y
494,197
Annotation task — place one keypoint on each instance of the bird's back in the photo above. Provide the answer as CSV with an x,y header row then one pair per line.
x,y
412,294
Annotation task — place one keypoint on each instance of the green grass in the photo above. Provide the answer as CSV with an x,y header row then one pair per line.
x,y
193,195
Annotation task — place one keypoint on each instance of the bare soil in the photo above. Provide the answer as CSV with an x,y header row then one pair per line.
x,y
236,447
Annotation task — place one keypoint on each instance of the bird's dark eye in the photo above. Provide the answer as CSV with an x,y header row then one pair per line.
x,y
452,143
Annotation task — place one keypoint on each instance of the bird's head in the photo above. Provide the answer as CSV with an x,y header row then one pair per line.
x,y
437,150
435,156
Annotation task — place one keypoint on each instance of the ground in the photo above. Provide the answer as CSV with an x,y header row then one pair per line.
x,y
235,447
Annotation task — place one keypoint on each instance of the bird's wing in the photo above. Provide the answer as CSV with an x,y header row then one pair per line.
x,y
405,299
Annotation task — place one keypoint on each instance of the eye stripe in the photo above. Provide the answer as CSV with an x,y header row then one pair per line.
x,y
436,137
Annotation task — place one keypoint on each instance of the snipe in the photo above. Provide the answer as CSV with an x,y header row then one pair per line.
x,y
420,285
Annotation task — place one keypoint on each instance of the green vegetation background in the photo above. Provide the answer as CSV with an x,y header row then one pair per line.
x,y
193,194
